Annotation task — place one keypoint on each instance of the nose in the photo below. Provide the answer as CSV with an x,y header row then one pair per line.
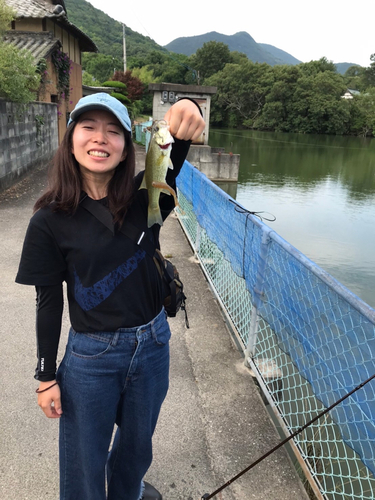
x,y
100,136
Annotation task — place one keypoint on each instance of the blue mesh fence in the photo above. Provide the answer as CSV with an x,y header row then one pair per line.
x,y
308,339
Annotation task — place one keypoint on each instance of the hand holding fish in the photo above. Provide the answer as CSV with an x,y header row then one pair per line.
x,y
185,120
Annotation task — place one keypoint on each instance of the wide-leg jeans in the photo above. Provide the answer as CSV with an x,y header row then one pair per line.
x,y
110,378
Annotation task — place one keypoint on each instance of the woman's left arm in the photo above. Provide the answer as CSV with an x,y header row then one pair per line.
x,y
185,120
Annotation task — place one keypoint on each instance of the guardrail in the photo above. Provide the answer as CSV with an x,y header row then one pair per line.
x,y
307,338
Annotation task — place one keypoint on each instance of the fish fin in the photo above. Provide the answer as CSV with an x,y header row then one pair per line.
x,y
170,164
143,183
166,189
154,217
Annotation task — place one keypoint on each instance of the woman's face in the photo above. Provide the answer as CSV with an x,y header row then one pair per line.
x,y
98,143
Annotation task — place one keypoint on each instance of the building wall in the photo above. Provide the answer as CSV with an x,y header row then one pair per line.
x,y
215,163
28,24
70,45
27,138
166,94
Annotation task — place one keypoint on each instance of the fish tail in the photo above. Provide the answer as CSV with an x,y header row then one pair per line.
x,y
154,217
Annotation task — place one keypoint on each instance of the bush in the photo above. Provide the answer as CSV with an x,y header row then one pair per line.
x,y
19,79
121,97
115,84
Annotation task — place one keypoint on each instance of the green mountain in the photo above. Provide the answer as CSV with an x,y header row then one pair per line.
x,y
106,32
240,42
342,67
280,55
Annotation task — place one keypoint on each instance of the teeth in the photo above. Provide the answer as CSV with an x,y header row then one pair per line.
x,y
101,154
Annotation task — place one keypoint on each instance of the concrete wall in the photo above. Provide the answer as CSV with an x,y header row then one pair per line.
x,y
215,163
28,138
166,94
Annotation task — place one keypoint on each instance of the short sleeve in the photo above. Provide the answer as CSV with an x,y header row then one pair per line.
x,y
42,262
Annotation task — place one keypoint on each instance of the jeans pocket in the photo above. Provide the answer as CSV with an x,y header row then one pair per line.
x,y
88,345
163,334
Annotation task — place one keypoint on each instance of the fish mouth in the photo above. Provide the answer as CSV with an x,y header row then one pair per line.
x,y
164,146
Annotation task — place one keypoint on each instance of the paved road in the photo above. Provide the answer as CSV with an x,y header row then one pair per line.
x,y
213,423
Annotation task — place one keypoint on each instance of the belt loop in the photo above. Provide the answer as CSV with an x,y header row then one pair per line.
x,y
115,338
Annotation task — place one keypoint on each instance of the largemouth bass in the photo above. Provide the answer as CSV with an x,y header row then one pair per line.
x,y
157,163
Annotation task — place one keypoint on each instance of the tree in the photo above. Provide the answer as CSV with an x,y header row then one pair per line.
x,y
242,90
277,108
88,79
134,86
369,73
362,113
354,78
19,78
7,15
211,58
314,67
100,66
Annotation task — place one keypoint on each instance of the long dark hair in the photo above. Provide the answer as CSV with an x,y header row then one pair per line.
x,y
65,180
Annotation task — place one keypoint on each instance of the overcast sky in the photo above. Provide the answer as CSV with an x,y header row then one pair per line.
x,y
341,30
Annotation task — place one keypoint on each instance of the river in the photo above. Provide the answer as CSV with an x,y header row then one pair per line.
x,y
321,189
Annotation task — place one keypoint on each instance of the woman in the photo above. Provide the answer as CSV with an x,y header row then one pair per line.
x,y
115,369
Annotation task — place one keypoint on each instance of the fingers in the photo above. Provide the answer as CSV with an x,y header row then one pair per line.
x,y
50,402
185,120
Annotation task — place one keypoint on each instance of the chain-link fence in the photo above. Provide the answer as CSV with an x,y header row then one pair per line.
x,y
308,339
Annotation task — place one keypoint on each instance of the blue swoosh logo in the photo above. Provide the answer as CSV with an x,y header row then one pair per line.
x,y
92,296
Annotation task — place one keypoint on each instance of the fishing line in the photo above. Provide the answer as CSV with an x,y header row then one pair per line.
x,y
207,496
242,210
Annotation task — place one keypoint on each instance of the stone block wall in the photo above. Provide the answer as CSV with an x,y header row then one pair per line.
x,y
28,138
215,163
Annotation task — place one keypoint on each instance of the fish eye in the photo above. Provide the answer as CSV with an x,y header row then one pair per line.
x,y
156,129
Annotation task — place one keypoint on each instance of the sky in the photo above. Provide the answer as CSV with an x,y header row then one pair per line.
x,y
340,30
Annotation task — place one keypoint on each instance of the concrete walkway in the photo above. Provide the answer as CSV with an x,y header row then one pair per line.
x,y
212,425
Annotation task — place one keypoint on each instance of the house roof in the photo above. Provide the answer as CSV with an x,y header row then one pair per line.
x,y
39,44
55,10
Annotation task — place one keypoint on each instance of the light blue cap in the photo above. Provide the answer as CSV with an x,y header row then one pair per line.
x,y
102,101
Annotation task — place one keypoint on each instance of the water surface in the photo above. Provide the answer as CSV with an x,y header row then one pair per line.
x,y
321,189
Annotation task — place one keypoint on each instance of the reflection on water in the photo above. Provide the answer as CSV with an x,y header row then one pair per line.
x,y
321,190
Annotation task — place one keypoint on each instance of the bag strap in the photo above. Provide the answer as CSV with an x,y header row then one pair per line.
x,y
104,216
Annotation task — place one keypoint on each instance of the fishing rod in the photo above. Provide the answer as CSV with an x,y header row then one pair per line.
x,y
207,496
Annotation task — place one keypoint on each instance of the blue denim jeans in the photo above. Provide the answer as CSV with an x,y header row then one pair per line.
x,y
110,378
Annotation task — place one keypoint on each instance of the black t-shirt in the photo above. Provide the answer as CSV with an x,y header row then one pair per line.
x,y
111,282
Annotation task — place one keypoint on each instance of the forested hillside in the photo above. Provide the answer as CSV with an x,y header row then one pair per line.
x,y
106,32
279,54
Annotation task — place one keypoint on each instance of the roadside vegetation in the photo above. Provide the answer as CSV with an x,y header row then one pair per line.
x,y
19,77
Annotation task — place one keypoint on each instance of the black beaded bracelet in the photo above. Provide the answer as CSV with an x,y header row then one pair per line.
x,y
44,390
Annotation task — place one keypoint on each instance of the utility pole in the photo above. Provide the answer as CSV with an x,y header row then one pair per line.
x,y
124,45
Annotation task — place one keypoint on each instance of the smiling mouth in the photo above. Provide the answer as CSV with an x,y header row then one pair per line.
x,y
98,154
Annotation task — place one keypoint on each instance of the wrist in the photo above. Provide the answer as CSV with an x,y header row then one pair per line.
x,y
45,386
45,383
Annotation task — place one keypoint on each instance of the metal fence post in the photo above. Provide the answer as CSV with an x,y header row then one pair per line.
x,y
254,322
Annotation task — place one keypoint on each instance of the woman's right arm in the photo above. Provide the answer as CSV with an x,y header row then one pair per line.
x,y
49,309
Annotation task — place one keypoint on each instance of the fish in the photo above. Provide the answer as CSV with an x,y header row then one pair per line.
x,y
158,161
